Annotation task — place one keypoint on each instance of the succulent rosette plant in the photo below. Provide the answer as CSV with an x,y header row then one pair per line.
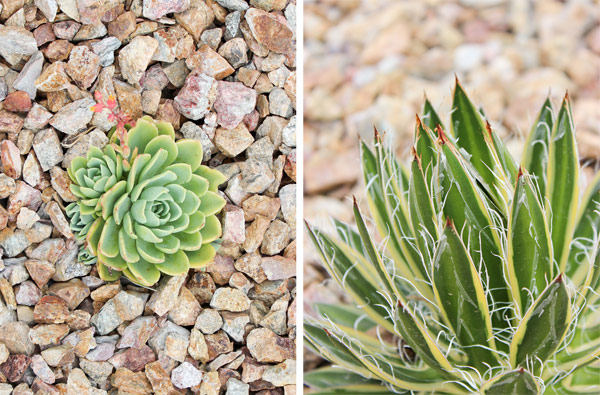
x,y
153,204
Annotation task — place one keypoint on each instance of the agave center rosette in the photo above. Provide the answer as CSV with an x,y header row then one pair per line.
x,y
161,218
93,175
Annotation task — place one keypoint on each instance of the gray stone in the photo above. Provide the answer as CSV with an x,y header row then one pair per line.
x,y
280,103
16,43
209,321
48,150
235,5
74,117
234,324
105,49
197,96
186,376
48,8
237,387
31,71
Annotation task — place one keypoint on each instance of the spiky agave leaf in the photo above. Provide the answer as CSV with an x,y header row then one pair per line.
x,y
489,273
155,213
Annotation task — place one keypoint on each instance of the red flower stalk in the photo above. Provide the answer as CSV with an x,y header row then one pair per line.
x,y
114,114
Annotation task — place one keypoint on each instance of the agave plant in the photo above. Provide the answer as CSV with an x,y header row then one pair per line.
x,y
483,276
147,209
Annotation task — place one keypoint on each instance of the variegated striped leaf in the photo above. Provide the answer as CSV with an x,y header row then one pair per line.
x,y
535,156
563,183
530,261
543,327
461,296
518,382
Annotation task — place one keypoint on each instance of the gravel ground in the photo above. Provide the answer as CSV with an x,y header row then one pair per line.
x,y
369,62
222,72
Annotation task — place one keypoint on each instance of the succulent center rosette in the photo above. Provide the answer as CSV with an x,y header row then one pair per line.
x,y
80,223
160,215
93,175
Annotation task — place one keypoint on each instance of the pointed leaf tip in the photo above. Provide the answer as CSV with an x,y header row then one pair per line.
x,y
488,127
520,172
419,123
442,139
449,223
559,278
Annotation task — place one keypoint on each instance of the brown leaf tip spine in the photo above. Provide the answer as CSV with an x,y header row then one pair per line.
x,y
520,172
354,202
559,279
449,223
376,134
441,135
488,127
400,305
521,370
327,332
419,123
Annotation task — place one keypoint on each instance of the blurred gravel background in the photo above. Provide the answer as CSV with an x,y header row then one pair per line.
x,y
368,63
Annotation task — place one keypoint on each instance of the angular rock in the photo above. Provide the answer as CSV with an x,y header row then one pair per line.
x,y
9,122
15,336
53,79
30,72
197,96
15,366
97,372
133,359
40,271
59,220
51,310
27,294
234,101
49,9
186,376
46,145
7,186
78,383
197,18
162,300
159,379
232,142
73,292
16,42
11,159
129,382
50,334
37,118
209,321
83,66
74,117
105,49
135,57
59,356
32,171
270,30
266,346
137,333
156,9
230,299
186,309
209,62
42,370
